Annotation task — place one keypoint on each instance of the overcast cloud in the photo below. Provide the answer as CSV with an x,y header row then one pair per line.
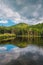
x,y
27,11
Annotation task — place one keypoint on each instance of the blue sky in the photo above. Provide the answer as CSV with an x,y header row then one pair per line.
x,y
21,11
7,23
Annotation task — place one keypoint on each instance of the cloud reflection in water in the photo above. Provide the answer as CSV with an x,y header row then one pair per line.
x,y
31,55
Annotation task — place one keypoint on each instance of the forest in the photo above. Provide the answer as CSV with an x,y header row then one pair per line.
x,y
21,30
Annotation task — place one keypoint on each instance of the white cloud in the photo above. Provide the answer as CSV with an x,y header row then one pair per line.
x,y
6,12
36,12
3,21
35,21
3,48
15,53
21,20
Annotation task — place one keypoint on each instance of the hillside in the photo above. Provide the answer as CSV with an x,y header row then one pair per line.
x,y
23,28
20,26
38,27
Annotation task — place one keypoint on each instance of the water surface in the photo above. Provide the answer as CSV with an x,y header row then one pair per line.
x,y
22,52
23,42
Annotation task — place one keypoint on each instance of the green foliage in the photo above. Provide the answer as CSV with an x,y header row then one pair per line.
x,y
6,36
23,29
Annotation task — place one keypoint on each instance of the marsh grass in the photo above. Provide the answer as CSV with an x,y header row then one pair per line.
x,y
6,36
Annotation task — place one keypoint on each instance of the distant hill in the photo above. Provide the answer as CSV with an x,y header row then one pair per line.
x,y
38,27
22,27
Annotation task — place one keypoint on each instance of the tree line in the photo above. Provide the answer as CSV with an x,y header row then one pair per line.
x,y
23,29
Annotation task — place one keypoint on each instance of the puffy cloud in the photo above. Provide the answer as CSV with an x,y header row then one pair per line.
x,y
3,48
27,11
29,53
4,21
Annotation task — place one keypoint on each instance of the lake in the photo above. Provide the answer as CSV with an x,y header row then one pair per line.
x,y
22,51
23,42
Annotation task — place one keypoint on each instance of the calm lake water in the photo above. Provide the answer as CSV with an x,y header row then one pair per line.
x,y
23,42
22,51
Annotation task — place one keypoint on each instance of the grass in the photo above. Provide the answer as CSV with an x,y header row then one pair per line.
x,y
28,36
6,36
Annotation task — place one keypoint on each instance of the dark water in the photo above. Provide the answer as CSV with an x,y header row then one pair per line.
x,y
23,42
22,51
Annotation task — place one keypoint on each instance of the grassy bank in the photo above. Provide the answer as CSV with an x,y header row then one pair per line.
x,y
7,36
28,36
